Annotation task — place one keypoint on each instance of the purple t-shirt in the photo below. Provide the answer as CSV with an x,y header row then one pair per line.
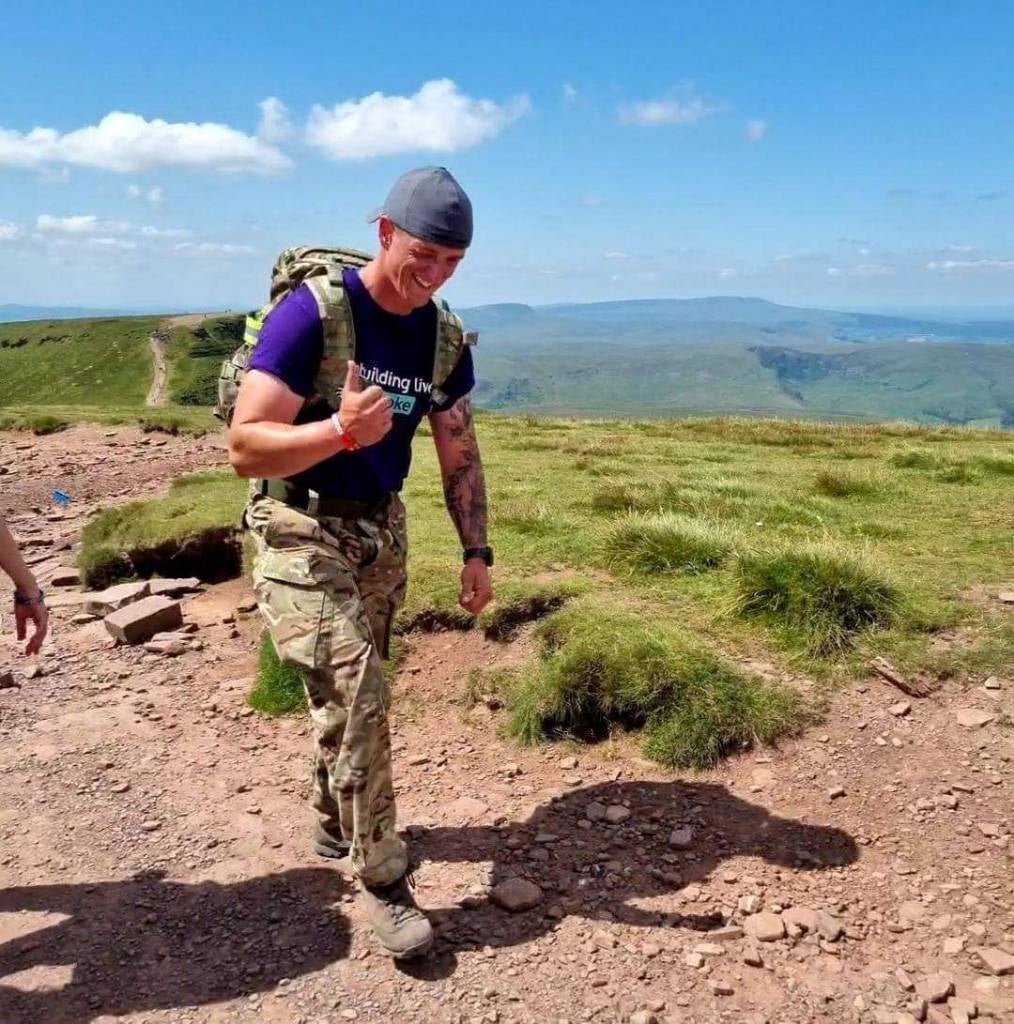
x,y
395,352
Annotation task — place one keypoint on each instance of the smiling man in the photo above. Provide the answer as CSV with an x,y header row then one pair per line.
x,y
328,440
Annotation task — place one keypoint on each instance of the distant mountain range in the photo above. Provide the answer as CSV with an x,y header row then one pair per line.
x,y
659,357
727,354
11,313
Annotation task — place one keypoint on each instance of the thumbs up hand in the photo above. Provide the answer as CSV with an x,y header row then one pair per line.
x,y
365,413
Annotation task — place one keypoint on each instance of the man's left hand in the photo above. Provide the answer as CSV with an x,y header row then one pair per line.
x,y
476,589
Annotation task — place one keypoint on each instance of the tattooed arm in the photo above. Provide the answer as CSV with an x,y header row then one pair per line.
x,y
465,493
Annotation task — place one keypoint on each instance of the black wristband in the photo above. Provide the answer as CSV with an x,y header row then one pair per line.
x,y
24,599
486,554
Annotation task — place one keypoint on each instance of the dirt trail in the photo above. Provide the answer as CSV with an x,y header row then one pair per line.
x,y
157,397
155,863
159,340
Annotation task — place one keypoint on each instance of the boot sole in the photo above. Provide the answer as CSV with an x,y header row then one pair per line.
x,y
409,954
333,852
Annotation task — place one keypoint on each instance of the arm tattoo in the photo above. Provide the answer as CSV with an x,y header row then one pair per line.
x,y
464,483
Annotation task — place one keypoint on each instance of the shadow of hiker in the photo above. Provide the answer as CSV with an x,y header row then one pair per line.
x,y
150,944
594,870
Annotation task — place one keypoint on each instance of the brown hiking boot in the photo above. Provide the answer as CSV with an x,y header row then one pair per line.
x,y
399,925
328,841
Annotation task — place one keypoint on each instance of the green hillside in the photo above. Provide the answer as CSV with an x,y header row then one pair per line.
x,y
637,359
103,363
195,355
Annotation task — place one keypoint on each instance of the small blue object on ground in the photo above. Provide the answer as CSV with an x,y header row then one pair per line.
x,y
61,499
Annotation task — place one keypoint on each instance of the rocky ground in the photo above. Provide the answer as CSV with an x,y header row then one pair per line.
x,y
155,862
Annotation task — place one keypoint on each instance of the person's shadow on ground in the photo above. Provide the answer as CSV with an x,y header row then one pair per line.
x,y
151,944
596,872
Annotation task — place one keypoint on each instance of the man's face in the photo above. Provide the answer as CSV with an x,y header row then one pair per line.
x,y
417,268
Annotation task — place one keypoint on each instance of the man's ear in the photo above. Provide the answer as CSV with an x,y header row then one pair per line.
x,y
385,232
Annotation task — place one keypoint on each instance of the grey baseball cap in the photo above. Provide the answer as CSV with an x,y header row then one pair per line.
x,y
429,204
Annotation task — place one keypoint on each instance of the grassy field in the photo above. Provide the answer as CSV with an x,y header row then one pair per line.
x,y
103,364
671,559
56,373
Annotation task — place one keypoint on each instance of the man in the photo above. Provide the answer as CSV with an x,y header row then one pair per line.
x,y
329,524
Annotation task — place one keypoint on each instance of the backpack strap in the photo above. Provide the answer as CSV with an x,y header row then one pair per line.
x,y
328,290
451,341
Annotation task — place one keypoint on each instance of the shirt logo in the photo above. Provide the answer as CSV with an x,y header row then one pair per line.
x,y
401,404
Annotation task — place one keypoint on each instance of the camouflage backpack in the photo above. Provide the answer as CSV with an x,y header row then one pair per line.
x,y
320,269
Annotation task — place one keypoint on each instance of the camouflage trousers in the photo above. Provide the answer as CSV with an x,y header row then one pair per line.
x,y
328,588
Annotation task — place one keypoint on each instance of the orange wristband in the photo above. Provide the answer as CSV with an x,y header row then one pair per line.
x,y
349,443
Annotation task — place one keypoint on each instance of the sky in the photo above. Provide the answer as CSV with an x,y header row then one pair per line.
x,y
853,155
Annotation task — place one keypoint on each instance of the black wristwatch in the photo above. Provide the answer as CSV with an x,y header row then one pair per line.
x,y
486,554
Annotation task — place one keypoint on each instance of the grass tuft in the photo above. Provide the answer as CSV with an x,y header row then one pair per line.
x,y
278,688
836,482
916,458
600,670
666,543
819,593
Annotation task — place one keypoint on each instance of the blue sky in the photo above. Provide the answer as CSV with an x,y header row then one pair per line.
x,y
855,155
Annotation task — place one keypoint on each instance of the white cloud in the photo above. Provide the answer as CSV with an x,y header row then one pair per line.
x,y
862,270
686,110
81,224
155,196
948,266
614,255
437,118
592,201
112,243
213,249
956,248
152,232
76,225
570,94
8,231
275,125
756,130
727,272
126,143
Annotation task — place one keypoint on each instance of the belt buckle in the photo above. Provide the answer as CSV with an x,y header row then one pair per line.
x,y
312,502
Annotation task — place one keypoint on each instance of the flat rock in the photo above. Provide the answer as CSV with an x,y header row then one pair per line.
x,y
992,683
7,679
174,588
1006,597
516,894
465,808
765,926
615,813
899,710
595,811
111,599
681,838
65,577
134,623
973,718
829,927
996,961
935,988
643,1017
803,918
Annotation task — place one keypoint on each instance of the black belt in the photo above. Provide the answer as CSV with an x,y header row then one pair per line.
x,y
321,504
